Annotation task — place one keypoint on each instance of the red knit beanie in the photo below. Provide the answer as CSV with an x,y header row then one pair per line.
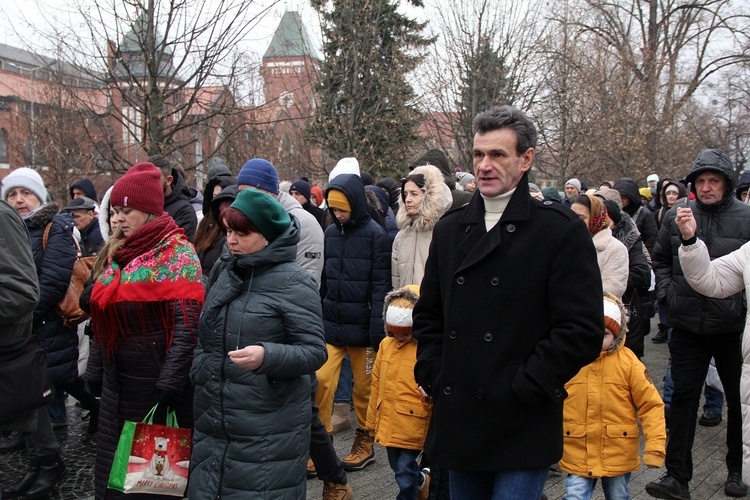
x,y
139,188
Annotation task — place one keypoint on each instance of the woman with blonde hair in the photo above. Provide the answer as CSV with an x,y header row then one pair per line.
x,y
144,308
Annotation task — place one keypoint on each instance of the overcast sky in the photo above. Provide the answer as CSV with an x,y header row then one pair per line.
x,y
16,16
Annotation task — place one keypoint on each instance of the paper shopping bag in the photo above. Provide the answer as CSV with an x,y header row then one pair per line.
x,y
152,459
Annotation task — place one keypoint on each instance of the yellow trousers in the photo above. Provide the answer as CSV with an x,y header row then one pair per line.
x,y
362,360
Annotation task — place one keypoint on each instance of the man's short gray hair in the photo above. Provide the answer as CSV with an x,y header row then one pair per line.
x,y
499,117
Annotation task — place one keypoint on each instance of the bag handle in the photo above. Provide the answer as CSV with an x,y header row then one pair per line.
x,y
45,237
171,417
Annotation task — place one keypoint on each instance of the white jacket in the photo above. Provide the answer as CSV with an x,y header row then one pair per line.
x,y
718,279
613,260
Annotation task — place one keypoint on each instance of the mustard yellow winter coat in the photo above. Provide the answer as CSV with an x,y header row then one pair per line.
x,y
600,418
396,411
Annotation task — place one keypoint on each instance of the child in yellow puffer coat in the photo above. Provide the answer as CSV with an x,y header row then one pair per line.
x,y
600,419
399,410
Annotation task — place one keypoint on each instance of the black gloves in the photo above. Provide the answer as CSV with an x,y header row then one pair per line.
x,y
165,400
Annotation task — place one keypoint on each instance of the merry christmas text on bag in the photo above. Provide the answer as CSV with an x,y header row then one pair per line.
x,y
152,458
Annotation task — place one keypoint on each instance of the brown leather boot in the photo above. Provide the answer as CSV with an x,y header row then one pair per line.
x,y
333,491
362,454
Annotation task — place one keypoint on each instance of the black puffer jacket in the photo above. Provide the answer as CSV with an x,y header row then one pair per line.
x,y
724,227
54,268
178,206
356,272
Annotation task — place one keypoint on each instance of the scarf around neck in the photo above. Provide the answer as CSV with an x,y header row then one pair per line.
x,y
155,272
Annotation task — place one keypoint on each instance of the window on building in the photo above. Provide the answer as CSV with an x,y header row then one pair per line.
x,y
131,125
3,146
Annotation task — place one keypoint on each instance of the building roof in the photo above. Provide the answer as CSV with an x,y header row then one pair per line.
x,y
37,66
133,41
291,39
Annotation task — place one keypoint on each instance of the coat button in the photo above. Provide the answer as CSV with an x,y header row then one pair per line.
x,y
480,394
547,202
453,334
558,393
460,280
487,336
511,228
624,433
495,281
448,390
411,412
567,433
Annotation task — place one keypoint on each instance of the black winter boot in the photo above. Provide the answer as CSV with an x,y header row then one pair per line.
x,y
51,470
14,442
93,419
661,335
20,487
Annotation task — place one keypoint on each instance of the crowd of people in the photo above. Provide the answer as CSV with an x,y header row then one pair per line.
x,y
260,311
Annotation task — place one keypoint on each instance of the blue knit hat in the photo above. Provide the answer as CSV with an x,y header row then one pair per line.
x,y
259,173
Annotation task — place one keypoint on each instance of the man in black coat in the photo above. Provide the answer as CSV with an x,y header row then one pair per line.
x,y
510,310
177,196
702,327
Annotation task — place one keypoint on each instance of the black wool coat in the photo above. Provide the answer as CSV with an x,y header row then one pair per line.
x,y
505,318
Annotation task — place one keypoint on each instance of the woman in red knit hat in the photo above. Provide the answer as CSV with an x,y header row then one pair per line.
x,y
144,309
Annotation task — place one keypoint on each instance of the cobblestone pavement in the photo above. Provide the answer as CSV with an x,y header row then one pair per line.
x,y
376,481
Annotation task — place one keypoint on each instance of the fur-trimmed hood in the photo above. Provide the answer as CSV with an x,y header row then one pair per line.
x,y
626,230
104,226
437,199
43,215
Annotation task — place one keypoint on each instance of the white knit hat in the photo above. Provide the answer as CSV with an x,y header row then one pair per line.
x,y
612,316
26,178
344,166
399,306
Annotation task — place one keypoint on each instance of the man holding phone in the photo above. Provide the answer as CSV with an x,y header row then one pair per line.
x,y
702,327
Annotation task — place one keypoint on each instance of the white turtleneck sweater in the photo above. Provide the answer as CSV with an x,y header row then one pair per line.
x,y
494,206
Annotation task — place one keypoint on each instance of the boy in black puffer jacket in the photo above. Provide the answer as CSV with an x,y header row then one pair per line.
x,y
356,277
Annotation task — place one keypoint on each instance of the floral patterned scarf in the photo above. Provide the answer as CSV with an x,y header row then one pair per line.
x,y
598,219
156,271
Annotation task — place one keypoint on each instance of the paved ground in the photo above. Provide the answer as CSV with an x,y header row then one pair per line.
x,y
376,482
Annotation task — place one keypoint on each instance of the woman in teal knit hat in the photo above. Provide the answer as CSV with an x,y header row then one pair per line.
x,y
260,336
